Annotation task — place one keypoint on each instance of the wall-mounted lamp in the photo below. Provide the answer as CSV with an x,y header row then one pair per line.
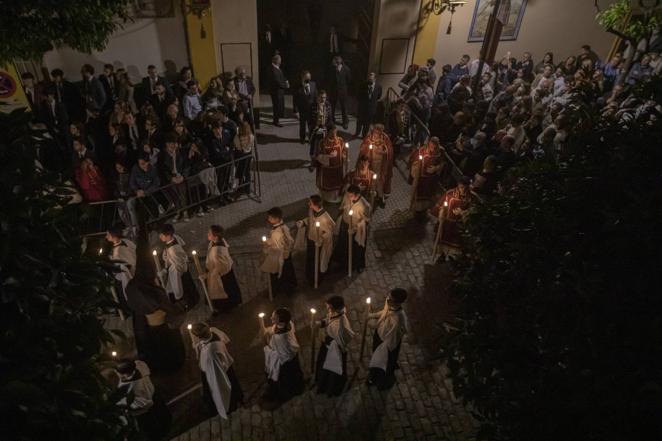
x,y
439,6
200,8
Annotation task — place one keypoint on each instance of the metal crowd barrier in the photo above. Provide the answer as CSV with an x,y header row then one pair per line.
x,y
169,200
417,125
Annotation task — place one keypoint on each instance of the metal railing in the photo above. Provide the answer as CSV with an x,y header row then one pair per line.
x,y
240,176
419,130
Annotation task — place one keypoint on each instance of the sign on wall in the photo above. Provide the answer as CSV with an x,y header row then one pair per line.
x,y
12,96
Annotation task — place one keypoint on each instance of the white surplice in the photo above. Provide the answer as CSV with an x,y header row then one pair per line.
x,y
391,327
214,361
176,264
322,235
124,254
282,348
218,263
358,220
276,249
340,330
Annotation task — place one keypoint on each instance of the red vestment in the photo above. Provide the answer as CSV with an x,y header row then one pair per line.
x,y
330,177
380,157
451,228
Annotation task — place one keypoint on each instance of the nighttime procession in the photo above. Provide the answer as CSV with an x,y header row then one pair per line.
x,y
331,220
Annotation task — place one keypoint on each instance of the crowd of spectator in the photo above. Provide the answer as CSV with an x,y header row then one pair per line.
x,y
117,140
489,121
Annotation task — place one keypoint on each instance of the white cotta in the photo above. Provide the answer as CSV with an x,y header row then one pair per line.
x,y
218,263
176,264
141,388
214,361
276,249
322,236
392,325
340,330
125,258
359,219
282,348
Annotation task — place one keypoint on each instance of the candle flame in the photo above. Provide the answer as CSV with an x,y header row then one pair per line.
x,y
264,238
154,253
368,300
370,146
261,315
189,326
313,311
317,224
374,176
346,145
445,203
420,157
100,251
194,252
351,212
114,353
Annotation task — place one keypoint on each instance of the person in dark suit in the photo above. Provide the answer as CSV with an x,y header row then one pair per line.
x,y
68,94
149,83
109,81
53,113
277,86
33,90
369,95
93,94
304,99
267,49
339,81
160,101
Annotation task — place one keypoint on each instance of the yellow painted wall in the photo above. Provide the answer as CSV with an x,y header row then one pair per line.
x,y
426,39
202,50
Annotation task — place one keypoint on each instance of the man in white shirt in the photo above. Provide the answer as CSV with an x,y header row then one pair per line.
x,y
192,101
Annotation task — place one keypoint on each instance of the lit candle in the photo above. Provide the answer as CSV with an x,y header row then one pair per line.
x,y
260,318
196,260
347,145
370,146
445,203
157,262
313,311
189,327
312,339
349,244
365,326
100,251
264,238
113,354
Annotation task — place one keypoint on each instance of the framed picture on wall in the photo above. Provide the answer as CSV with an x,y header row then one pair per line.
x,y
482,13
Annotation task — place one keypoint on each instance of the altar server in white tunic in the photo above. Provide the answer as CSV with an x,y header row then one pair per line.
x,y
176,262
309,236
391,328
220,387
331,366
281,358
222,284
124,254
277,251
149,409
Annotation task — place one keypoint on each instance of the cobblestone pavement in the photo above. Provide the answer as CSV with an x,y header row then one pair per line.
x,y
420,407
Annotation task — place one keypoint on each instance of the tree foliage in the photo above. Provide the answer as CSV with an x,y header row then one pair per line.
x,y
558,334
619,19
52,297
29,28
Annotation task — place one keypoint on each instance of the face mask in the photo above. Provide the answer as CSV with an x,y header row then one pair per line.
x,y
473,142
306,81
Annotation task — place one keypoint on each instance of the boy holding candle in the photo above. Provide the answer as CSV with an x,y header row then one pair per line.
x,y
221,390
124,254
425,164
352,223
178,281
277,250
331,366
221,282
281,359
391,328
317,230
378,149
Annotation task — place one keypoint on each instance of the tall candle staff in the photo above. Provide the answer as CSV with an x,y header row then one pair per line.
x,y
157,263
202,277
416,171
346,158
318,245
349,242
440,227
271,294
313,311
365,327
373,191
